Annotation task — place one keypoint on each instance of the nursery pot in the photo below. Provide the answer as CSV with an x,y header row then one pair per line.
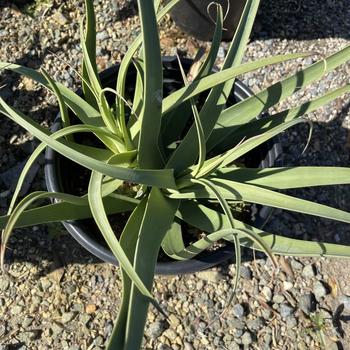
x,y
197,17
59,171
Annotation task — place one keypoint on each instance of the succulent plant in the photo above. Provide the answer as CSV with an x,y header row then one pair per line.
x,y
196,179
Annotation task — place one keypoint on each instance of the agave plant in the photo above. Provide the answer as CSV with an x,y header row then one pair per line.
x,y
199,181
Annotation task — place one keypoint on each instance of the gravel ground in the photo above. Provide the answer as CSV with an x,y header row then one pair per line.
x,y
57,296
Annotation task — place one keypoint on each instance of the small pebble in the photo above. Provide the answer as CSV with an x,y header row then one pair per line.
x,y
246,272
266,291
155,329
308,271
286,310
345,300
210,276
296,265
278,298
307,303
67,317
287,285
238,310
319,290
247,338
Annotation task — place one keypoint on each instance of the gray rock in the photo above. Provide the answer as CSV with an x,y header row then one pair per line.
x,y
345,300
308,271
307,303
256,324
238,333
235,323
278,298
267,339
296,265
319,290
246,272
155,329
27,337
2,330
56,330
16,310
102,36
170,334
60,18
70,288
45,284
221,52
210,276
291,322
188,346
27,321
247,338
267,293
84,318
4,283
164,347
233,346
238,310
287,285
98,341
286,310
67,317
266,313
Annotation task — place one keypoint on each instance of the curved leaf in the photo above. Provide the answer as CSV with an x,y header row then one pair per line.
x,y
159,178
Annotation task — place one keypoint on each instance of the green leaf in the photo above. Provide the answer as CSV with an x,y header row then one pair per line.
x,y
257,126
128,242
22,206
232,190
134,123
198,124
97,153
161,178
123,69
150,237
82,109
208,64
226,208
63,108
238,151
250,144
101,219
91,72
183,156
65,211
173,244
249,109
206,83
149,156
287,178
218,96
210,221
90,44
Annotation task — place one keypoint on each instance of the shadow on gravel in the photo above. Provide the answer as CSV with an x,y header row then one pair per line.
x,y
303,19
128,9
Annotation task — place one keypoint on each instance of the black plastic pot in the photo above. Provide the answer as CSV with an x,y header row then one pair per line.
x,y
58,171
192,16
